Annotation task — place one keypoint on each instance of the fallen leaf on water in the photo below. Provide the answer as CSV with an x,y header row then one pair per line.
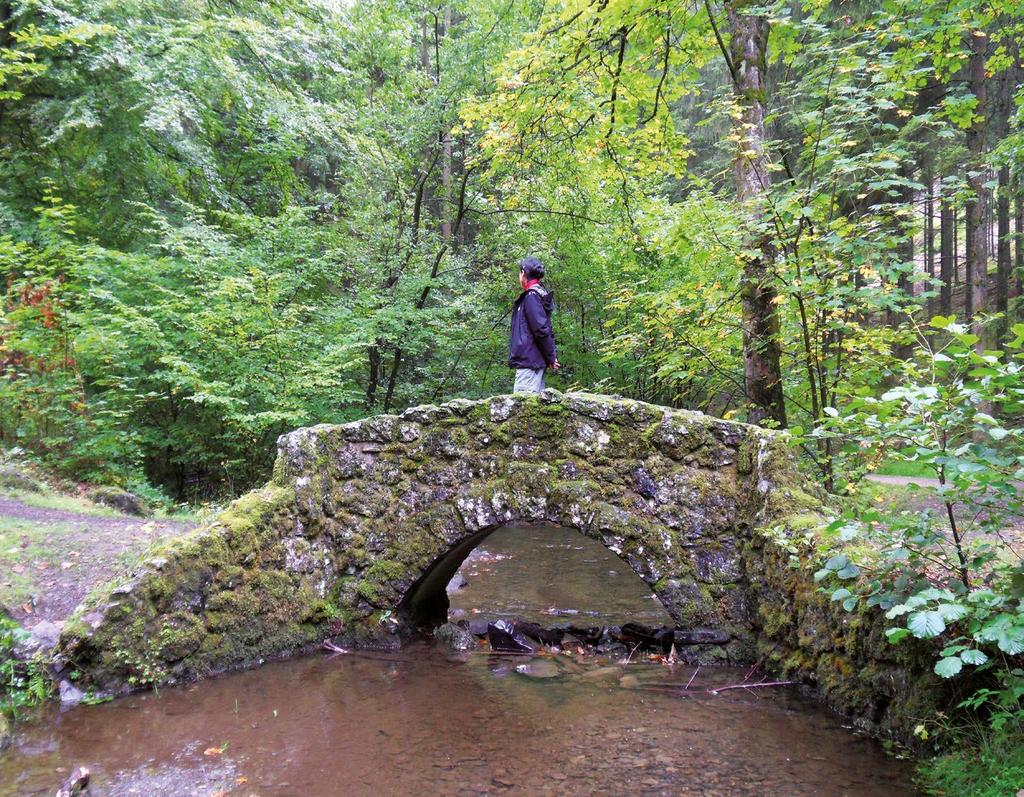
x,y
242,779
213,751
18,568
66,565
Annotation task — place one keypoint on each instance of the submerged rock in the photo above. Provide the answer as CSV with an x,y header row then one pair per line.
x,y
454,637
634,634
589,636
540,668
458,582
503,638
478,627
6,736
546,636
602,674
76,784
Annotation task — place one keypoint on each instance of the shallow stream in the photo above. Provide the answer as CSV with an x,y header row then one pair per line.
x,y
415,722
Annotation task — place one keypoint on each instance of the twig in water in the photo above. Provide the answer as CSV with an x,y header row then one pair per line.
x,y
692,677
328,645
750,686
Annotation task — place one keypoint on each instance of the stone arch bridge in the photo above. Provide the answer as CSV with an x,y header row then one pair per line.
x,y
362,525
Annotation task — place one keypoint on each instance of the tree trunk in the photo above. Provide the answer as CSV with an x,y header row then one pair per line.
x,y
762,372
947,253
373,362
929,237
6,33
446,157
1018,260
957,271
968,264
979,203
424,45
1006,81
1003,248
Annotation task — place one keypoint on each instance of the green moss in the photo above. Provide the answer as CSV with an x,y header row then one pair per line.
x,y
377,577
324,610
179,635
250,508
369,590
384,570
806,521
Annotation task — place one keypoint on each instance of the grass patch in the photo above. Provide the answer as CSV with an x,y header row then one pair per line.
x,y
183,514
29,551
878,495
63,503
993,767
83,506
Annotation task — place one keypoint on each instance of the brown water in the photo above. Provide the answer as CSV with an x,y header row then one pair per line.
x,y
552,576
417,723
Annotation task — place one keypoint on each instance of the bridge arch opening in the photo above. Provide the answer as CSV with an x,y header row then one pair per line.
x,y
542,571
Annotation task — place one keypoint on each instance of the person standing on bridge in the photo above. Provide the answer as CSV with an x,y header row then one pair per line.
x,y
531,342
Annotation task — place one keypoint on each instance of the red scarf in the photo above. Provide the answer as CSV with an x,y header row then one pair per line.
x,y
530,284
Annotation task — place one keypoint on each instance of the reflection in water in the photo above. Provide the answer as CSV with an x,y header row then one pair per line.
x,y
415,723
552,576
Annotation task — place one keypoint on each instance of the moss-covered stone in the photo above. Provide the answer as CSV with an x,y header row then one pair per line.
x,y
119,499
362,524
801,634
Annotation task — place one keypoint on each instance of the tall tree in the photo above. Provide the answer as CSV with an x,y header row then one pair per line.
x,y
947,253
747,60
977,180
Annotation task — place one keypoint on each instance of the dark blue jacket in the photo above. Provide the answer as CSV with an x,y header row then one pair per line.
x,y
531,343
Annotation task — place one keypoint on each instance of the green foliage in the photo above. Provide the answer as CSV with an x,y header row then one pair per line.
x,y
946,573
23,684
989,765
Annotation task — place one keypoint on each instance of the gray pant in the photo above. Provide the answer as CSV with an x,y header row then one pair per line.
x,y
529,380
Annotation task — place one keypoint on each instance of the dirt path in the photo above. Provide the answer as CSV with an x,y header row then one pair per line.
x,y
51,558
